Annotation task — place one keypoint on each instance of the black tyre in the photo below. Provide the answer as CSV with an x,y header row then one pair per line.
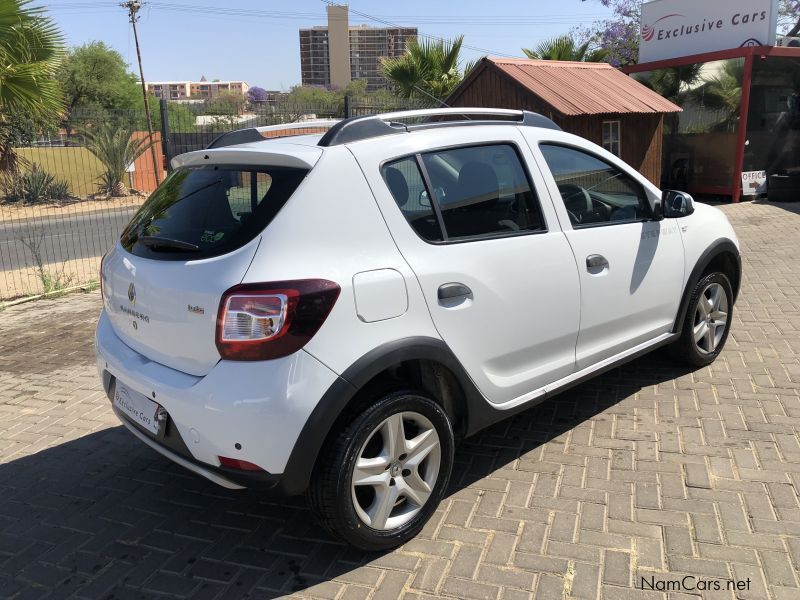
x,y
707,323
384,472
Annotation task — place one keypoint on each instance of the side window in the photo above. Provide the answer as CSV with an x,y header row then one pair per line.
x,y
611,137
482,191
405,182
595,192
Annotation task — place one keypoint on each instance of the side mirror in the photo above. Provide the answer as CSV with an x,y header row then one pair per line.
x,y
676,204
423,199
658,210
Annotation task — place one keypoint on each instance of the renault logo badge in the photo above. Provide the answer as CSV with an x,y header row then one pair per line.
x,y
132,293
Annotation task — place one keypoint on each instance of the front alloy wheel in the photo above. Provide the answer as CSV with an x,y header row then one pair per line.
x,y
710,318
707,323
383,470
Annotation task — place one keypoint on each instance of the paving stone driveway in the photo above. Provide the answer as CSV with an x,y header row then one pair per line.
x,y
650,472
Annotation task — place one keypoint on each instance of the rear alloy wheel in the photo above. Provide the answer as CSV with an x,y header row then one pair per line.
x,y
708,321
385,473
396,471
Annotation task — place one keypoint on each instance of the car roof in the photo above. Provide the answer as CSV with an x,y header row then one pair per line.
x,y
354,129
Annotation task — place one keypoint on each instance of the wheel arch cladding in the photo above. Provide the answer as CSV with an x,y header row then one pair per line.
x,y
422,363
721,255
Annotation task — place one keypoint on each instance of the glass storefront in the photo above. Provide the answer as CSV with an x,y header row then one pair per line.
x,y
773,125
699,150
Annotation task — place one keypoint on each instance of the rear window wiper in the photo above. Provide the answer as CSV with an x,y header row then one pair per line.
x,y
154,241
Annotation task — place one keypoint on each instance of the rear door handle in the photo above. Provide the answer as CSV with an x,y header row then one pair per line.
x,y
596,261
448,291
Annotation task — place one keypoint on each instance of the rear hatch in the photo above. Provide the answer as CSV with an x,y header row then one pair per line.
x,y
193,239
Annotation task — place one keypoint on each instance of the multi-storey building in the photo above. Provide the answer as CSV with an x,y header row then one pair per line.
x,y
336,54
194,90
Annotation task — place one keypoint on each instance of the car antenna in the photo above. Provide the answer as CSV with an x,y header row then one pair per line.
x,y
442,102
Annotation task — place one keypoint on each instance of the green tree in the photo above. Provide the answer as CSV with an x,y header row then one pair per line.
x,y
30,50
789,17
226,103
113,146
95,76
311,94
566,48
181,117
428,71
723,92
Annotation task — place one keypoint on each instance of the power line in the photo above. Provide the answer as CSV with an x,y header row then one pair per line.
x,y
482,20
432,37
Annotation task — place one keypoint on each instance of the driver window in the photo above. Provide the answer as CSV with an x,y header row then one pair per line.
x,y
595,192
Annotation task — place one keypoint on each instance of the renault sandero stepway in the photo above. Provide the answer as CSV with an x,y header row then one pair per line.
x,y
331,313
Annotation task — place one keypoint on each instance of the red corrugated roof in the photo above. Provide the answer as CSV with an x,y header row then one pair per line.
x,y
579,88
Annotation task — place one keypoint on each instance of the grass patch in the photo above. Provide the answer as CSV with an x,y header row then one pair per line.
x,y
77,166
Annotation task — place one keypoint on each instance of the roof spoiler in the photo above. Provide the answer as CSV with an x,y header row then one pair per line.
x,y
255,134
362,128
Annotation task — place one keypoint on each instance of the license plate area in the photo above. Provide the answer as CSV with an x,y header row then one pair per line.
x,y
140,409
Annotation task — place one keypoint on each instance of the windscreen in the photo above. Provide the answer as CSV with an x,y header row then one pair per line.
x,y
205,211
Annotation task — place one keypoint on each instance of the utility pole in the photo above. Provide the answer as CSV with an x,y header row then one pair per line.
x,y
133,7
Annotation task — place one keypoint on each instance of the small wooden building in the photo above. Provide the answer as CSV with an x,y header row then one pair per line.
x,y
592,100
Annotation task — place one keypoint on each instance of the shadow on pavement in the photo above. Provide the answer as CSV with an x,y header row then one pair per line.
x,y
105,516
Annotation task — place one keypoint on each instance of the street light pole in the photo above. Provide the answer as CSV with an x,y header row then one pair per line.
x,y
133,7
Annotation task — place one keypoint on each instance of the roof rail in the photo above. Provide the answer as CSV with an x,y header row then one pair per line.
x,y
255,134
362,128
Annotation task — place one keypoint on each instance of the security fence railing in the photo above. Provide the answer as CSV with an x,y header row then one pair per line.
x,y
70,195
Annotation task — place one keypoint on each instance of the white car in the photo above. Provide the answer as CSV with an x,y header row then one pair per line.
x,y
330,313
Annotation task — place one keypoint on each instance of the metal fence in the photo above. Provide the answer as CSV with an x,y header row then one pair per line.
x,y
73,193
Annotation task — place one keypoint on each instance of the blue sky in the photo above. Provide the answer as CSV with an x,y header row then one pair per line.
x,y
184,39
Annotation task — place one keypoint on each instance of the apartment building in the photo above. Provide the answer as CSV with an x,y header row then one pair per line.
x,y
336,54
194,90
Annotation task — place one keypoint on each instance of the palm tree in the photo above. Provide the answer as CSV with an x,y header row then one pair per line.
x,y
428,71
723,92
566,48
30,50
117,150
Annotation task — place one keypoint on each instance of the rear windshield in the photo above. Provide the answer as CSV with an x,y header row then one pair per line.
x,y
205,211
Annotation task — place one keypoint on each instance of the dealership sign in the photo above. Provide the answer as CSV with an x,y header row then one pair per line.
x,y
675,28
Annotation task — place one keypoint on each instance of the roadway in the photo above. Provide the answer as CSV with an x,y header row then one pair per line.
x,y
63,237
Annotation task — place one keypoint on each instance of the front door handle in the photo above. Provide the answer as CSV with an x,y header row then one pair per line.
x,y
596,261
449,291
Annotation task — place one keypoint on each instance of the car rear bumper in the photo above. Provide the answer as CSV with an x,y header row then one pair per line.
x,y
251,411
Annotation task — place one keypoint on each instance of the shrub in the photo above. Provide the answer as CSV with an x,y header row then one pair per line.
x,y
35,186
117,150
59,190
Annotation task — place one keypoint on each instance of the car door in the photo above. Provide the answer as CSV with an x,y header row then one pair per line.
x,y
630,265
497,274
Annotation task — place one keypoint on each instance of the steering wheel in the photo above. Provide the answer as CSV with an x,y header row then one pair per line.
x,y
623,213
576,200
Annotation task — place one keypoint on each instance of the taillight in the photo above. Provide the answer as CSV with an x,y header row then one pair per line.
x,y
261,321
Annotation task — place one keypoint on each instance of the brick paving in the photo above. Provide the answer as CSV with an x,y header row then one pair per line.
x,y
651,472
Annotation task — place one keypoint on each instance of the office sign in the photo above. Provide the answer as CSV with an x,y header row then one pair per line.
x,y
754,182
675,28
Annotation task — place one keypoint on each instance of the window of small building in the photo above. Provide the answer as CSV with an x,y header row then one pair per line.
x,y
611,137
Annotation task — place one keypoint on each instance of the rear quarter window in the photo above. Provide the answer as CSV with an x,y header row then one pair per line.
x,y
206,211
